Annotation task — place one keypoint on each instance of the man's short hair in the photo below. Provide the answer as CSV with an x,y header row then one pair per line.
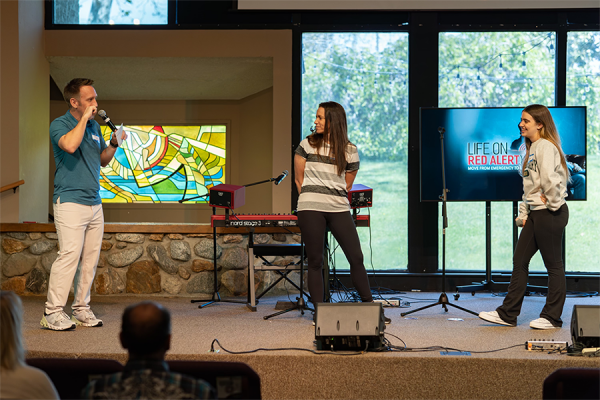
x,y
148,334
72,89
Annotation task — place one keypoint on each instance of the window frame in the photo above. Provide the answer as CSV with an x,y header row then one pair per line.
x,y
423,28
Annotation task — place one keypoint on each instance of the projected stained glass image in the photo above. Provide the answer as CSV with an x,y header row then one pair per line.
x,y
161,164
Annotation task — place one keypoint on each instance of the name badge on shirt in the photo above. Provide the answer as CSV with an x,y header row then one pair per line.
x,y
96,138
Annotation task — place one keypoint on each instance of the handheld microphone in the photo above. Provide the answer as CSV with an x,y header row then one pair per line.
x,y
312,129
107,120
281,177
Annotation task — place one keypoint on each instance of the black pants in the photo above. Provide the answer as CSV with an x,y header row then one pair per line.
x,y
313,225
543,231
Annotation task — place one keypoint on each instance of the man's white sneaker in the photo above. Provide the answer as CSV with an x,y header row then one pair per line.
x,y
58,321
542,323
493,317
85,318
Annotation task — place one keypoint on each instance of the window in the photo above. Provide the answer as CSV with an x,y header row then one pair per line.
x,y
159,164
367,74
111,12
491,69
583,89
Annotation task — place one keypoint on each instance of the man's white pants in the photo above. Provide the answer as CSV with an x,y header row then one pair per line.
x,y
80,230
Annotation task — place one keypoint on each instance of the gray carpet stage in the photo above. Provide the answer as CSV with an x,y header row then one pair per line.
x,y
514,373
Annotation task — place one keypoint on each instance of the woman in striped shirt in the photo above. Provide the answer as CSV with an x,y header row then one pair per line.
x,y
326,164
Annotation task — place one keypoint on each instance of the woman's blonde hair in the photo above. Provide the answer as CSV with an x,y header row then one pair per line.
x,y
541,115
12,351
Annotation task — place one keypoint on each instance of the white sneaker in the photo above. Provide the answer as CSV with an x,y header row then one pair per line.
x,y
493,317
542,323
85,318
58,321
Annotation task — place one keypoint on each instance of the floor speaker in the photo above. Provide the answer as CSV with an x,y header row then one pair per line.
x,y
349,326
585,325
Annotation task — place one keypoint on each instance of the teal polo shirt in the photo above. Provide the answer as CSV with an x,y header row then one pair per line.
x,y
77,176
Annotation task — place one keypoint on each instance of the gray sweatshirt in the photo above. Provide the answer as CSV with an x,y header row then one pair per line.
x,y
543,174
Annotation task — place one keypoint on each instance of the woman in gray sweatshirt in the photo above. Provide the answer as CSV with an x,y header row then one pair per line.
x,y
543,215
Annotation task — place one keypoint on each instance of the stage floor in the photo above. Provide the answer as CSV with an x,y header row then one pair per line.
x,y
241,330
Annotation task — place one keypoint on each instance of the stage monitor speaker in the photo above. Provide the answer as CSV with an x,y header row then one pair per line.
x,y
349,326
585,325
360,196
227,196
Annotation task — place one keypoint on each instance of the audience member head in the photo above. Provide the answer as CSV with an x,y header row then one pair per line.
x,y
12,351
146,330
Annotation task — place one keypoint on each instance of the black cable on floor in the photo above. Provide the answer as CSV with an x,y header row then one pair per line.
x,y
354,353
440,348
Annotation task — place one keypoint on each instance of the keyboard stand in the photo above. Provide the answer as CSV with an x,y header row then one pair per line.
x,y
216,296
249,222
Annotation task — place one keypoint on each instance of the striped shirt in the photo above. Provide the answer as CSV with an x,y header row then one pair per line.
x,y
323,189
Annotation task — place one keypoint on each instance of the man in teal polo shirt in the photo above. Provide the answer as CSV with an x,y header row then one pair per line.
x,y
79,152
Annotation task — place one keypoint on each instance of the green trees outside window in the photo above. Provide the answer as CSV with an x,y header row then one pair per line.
x,y
583,89
367,74
491,69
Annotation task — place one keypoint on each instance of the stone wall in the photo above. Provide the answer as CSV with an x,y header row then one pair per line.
x,y
158,264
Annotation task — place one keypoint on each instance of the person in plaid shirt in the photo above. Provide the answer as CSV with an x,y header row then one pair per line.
x,y
146,334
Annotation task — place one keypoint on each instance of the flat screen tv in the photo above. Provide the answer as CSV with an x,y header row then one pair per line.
x,y
484,150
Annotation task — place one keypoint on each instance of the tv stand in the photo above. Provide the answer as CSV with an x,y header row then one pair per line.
x,y
488,284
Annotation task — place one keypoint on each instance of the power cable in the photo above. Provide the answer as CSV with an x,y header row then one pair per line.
x,y
355,353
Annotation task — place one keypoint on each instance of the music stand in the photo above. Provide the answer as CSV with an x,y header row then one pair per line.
x,y
443,300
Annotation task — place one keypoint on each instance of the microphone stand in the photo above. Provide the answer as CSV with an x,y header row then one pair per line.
x,y
443,300
193,198
300,303
276,180
259,182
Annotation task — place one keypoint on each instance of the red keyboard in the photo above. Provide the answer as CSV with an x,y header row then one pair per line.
x,y
267,220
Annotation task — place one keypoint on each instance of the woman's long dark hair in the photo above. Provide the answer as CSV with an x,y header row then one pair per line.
x,y
335,133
